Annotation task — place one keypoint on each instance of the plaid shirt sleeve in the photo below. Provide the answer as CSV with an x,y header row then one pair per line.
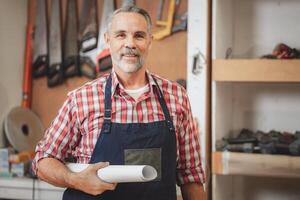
x,y
189,168
61,136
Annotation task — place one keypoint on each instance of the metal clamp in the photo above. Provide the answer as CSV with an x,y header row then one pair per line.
x,y
197,64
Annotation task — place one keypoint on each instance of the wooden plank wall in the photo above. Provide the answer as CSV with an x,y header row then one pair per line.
x,y
167,58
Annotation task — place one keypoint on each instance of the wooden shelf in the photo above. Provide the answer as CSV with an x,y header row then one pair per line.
x,y
256,70
230,163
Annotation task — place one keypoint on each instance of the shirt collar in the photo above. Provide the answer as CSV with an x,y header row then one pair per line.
x,y
117,85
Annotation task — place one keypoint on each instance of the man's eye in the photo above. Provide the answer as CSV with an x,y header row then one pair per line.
x,y
140,36
121,35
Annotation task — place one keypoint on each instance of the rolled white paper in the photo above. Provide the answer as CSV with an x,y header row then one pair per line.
x,y
120,173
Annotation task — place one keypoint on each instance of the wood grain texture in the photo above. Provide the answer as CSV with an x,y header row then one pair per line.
x,y
256,70
230,163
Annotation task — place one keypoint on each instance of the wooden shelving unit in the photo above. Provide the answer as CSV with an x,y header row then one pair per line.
x,y
253,93
232,163
256,70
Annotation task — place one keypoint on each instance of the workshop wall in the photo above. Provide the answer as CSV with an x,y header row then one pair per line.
x,y
12,41
167,58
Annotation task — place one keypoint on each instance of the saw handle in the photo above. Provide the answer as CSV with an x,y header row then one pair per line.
x,y
40,66
55,75
89,41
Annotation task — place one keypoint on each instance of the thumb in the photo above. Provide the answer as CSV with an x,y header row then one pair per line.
x,y
99,165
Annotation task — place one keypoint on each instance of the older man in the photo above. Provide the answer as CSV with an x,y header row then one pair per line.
x,y
129,116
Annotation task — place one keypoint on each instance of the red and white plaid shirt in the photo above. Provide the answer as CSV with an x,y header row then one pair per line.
x,y
76,128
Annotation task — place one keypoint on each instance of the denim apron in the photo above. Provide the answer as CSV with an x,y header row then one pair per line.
x,y
136,144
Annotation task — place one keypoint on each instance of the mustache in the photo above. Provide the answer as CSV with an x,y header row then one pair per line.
x,y
130,52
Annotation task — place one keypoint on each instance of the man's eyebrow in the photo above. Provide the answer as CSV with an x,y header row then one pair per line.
x,y
118,32
143,33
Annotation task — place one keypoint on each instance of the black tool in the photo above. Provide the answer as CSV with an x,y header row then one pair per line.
x,y
273,142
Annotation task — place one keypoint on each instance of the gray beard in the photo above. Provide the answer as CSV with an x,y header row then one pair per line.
x,y
127,67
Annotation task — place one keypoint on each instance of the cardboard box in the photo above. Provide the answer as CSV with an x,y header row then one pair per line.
x,y
19,169
4,164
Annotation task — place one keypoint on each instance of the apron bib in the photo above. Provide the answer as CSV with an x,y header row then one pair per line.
x,y
136,144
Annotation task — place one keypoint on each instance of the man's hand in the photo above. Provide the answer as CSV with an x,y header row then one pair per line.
x,y
56,173
88,181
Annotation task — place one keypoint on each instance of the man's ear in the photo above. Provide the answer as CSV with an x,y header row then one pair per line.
x,y
106,38
151,40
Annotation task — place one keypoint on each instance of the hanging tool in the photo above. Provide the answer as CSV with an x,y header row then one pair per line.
x,y
167,30
160,10
88,35
70,47
27,82
182,25
104,58
55,71
22,127
40,51
172,24
128,3
88,27
97,57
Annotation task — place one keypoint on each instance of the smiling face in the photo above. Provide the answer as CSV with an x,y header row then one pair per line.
x,y
129,40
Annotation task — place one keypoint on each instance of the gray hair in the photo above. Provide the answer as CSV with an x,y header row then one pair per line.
x,y
131,9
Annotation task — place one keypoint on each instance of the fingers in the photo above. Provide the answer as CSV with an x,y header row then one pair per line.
x,y
104,185
109,186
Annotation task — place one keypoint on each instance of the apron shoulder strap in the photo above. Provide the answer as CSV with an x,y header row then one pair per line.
x,y
164,107
107,108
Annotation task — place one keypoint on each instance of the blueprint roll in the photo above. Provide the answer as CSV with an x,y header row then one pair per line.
x,y
120,173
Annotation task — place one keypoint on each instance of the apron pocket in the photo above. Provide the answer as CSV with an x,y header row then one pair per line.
x,y
150,157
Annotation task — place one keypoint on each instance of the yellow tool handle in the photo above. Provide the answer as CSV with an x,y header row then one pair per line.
x,y
167,24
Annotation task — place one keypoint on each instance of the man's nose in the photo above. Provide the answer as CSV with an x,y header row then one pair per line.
x,y
130,42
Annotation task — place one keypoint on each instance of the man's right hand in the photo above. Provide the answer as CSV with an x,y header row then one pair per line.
x,y
88,180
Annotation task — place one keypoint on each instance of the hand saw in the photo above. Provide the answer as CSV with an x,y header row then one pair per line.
x,y
128,3
88,27
40,51
55,71
96,56
70,46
